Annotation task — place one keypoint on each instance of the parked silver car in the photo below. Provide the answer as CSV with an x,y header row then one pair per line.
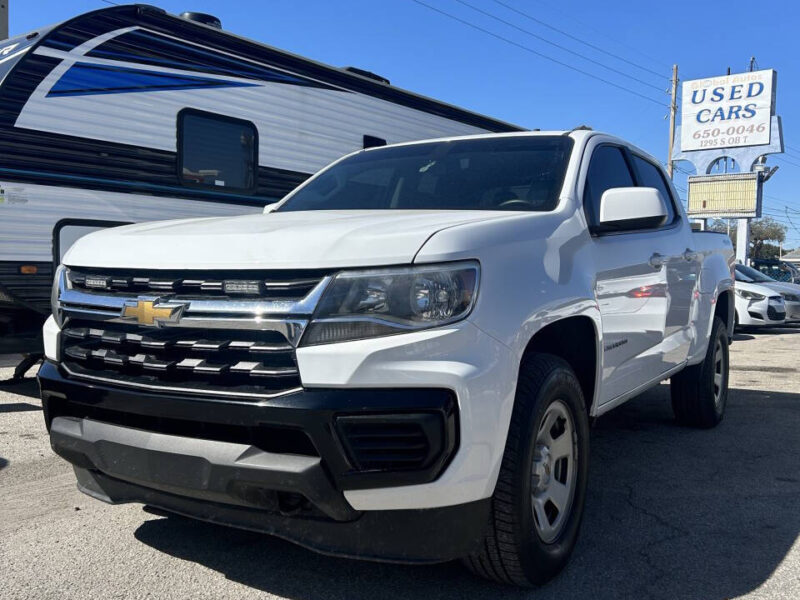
x,y
789,291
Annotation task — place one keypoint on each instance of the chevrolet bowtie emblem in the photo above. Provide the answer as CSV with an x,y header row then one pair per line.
x,y
146,312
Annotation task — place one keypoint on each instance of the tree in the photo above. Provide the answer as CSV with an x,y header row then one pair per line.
x,y
763,231
770,251
721,226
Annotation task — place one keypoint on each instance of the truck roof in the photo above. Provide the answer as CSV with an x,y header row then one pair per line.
x,y
579,135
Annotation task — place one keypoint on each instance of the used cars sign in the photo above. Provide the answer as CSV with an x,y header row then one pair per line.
x,y
727,111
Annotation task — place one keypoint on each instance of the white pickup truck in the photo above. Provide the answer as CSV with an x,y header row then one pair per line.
x,y
400,360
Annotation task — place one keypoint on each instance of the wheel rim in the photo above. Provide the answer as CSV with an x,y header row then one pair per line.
x,y
553,472
719,372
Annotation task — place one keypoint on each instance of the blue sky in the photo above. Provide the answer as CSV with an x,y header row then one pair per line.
x,y
432,54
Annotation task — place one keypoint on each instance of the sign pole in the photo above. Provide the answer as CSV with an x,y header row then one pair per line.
x,y
742,240
743,225
673,109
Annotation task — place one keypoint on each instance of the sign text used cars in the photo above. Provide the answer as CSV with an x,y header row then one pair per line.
x,y
728,111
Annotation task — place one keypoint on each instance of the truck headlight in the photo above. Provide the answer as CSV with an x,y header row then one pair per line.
x,y
54,304
364,304
752,296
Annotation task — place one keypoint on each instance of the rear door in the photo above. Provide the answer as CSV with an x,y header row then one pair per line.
x,y
682,267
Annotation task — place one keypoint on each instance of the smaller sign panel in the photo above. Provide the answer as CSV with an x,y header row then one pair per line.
x,y
733,196
728,111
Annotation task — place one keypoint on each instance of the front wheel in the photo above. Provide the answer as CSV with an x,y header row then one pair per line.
x,y
700,392
538,501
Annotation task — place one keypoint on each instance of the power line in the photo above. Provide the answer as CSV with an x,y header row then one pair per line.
x,y
579,40
572,18
786,161
790,152
780,200
540,54
794,153
557,45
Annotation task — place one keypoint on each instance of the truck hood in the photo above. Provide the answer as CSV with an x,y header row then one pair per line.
x,y
311,239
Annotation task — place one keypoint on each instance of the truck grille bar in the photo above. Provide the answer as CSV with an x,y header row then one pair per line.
x,y
290,286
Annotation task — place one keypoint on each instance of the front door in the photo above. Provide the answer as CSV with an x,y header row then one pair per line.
x,y
632,285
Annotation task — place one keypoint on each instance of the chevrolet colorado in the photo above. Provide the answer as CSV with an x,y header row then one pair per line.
x,y
398,361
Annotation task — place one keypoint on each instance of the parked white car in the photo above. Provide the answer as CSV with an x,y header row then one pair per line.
x,y
398,361
790,292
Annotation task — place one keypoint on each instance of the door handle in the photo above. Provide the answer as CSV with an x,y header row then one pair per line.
x,y
658,260
689,255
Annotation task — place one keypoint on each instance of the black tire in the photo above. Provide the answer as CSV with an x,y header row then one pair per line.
x,y
513,551
695,400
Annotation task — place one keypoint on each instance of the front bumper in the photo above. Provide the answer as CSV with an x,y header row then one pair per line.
x,y
793,311
279,466
761,312
402,536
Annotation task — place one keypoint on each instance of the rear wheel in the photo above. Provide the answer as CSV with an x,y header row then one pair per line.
x,y
700,392
538,501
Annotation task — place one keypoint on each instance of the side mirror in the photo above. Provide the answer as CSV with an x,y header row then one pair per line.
x,y
629,208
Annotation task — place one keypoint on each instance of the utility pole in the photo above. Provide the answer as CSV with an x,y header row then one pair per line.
x,y
743,225
673,109
3,19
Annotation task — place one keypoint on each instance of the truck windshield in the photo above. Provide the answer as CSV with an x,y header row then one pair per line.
x,y
501,173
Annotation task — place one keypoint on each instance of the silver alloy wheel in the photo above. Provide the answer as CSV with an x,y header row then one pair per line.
x,y
554,471
719,372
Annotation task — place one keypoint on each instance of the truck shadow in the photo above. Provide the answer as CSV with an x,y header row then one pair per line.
x,y
21,387
672,513
747,333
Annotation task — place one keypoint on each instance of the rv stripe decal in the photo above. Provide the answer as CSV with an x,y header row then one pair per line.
x,y
151,48
85,79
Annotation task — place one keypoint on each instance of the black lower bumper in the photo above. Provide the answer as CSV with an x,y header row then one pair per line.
x,y
403,536
279,466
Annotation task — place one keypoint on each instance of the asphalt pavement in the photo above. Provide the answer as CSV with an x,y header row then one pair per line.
x,y
672,513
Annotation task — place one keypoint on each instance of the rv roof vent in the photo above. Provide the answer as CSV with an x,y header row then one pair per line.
x,y
368,74
203,18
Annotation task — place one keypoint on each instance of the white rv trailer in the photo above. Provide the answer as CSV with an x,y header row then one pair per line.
x,y
131,114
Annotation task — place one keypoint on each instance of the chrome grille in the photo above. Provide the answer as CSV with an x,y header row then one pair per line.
x,y
232,346
249,364
208,284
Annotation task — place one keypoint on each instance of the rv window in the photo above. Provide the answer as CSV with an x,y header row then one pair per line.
x,y
217,151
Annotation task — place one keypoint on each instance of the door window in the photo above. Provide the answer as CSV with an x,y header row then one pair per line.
x,y
650,176
607,169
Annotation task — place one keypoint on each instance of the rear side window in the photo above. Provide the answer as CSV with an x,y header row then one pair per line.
x,y
217,152
650,176
607,169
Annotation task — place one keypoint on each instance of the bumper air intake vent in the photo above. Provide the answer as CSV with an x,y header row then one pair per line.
x,y
396,442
